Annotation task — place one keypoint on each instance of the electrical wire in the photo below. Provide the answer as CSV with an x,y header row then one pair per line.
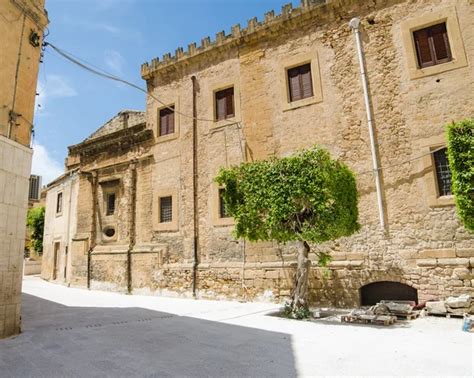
x,y
404,162
100,72
108,75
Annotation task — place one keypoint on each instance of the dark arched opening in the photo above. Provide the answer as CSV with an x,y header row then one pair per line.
x,y
374,292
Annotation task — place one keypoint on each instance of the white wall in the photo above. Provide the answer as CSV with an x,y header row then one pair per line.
x,y
15,167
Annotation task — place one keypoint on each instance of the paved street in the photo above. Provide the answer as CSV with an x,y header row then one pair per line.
x,y
73,332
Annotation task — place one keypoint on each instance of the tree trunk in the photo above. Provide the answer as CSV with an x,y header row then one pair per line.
x,y
300,292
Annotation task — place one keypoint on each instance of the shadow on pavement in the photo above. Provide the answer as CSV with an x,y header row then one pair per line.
x,y
93,341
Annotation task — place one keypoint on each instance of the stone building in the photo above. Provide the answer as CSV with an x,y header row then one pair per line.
x,y
281,84
21,29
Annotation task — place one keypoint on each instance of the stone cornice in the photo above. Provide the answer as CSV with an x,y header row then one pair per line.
x,y
124,137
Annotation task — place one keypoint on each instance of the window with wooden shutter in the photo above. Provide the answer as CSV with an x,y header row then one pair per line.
x,y
224,104
443,172
300,83
166,121
432,45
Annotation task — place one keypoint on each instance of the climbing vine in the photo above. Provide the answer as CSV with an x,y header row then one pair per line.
x,y
461,163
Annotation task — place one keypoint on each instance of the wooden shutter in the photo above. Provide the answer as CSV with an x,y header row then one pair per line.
x,y
440,42
306,82
224,104
294,84
432,45
423,48
167,121
171,122
230,103
300,83
220,107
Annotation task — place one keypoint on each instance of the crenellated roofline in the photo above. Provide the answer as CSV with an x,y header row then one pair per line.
x,y
236,36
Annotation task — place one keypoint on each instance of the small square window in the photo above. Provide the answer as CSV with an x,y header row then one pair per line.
x,y
224,104
300,83
166,209
59,203
110,204
166,117
222,209
432,45
443,173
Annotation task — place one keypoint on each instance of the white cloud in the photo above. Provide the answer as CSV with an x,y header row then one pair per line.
x,y
45,165
105,27
115,61
53,87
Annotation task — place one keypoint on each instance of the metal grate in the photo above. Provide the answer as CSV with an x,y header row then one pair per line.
x,y
443,173
110,203
222,210
166,209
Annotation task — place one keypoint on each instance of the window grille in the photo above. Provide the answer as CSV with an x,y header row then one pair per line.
x,y
166,209
443,173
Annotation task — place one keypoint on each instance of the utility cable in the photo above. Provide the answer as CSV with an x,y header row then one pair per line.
x,y
107,75
404,162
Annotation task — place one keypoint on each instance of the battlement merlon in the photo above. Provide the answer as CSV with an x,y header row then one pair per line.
x,y
237,34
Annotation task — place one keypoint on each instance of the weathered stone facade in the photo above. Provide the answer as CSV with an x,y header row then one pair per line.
x,y
21,30
423,246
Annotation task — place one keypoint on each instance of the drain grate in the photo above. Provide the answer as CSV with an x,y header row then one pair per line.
x,y
116,323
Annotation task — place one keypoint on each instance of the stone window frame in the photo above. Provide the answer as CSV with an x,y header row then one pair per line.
x,y
295,61
175,135
167,226
60,212
220,86
217,220
429,169
108,185
447,15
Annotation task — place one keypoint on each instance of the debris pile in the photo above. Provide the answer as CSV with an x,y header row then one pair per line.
x,y
452,306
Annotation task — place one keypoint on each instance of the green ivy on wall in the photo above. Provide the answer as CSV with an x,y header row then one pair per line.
x,y
461,163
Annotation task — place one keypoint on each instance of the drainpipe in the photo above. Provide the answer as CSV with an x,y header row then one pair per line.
x,y
354,25
133,198
195,189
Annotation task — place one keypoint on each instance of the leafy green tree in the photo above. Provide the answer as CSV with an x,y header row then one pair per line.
x,y
35,224
461,163
307,197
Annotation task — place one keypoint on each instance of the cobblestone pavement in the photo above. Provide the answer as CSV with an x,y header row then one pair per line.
x,y
74,332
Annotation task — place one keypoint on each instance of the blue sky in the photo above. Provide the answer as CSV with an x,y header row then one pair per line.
x,y
118,36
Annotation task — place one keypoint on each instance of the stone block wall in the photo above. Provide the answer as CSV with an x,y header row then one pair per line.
x,y
15,171
424,244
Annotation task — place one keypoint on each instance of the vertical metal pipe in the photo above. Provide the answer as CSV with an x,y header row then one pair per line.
x,y
354,25
195,189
